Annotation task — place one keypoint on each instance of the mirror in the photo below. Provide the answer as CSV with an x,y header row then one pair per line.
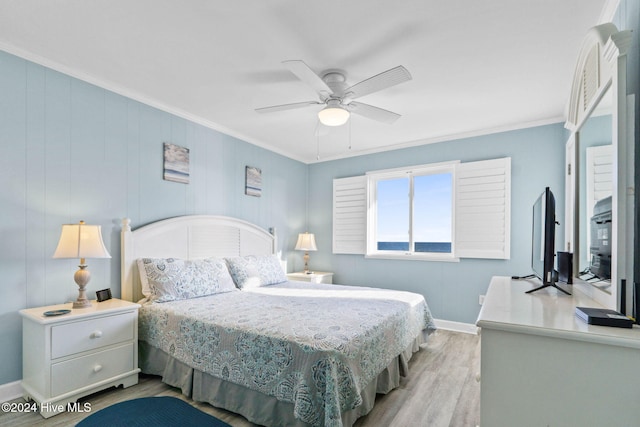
x,y
595,191
599,169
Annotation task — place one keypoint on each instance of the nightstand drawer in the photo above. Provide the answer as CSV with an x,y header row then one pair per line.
x,y
315,277
76,337
83,371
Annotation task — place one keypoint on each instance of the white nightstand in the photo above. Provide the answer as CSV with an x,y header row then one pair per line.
x,y
72,355
315,277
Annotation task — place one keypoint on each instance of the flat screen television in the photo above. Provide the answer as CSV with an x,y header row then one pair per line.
x,y
543,241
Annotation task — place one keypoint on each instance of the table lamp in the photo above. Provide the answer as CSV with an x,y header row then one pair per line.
x,y
81,241
306,242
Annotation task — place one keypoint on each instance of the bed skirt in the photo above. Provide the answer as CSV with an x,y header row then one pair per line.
x,y
258,407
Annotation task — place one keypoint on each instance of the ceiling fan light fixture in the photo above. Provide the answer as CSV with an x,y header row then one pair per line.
x,y
333,115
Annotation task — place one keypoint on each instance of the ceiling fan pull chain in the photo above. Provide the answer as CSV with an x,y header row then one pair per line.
x,y
350,134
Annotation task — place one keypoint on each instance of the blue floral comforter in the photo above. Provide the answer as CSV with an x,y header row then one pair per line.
x,y
316,346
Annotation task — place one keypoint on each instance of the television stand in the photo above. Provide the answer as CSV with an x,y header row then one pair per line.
x,y
548,285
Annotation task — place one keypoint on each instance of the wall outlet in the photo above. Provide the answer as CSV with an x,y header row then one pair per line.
x,y
481,300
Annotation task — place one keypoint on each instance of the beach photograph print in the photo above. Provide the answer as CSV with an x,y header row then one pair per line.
x,y
176,163
253,181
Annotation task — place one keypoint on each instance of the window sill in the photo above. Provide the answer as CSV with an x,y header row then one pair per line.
x,y
413,257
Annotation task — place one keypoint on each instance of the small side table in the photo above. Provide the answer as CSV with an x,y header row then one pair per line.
x,y
315,277
81,352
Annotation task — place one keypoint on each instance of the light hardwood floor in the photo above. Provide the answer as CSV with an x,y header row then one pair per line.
x,y
441,390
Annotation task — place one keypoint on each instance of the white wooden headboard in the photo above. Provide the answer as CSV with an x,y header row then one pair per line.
x,y
187,237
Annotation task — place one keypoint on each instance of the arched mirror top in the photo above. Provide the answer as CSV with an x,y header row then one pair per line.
x,y
595,70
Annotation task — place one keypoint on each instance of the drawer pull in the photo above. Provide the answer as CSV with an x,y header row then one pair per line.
x,y
97,368
96,334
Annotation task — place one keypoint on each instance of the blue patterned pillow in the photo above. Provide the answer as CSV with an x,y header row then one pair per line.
x,y
252,271
170,279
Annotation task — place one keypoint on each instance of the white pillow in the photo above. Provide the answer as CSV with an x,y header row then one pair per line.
x,y
252,271
170,279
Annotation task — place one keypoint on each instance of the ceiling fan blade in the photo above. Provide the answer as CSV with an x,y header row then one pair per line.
x,y
307,75
286,106
378,82
373,113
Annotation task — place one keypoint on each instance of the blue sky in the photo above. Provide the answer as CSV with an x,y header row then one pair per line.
x,y
432,207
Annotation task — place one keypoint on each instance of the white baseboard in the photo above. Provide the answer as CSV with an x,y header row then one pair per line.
x,y
10,391
467,328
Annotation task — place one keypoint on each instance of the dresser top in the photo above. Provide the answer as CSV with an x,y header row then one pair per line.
x,y
546,312
113,305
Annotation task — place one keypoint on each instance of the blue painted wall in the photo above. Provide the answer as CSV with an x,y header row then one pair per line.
x,y
72,151
451,289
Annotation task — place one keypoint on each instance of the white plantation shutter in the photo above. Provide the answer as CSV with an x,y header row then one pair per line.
x,y
483,209
599,175
350,215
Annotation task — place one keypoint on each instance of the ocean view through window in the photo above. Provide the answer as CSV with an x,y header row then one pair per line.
x,y
439,247
413,212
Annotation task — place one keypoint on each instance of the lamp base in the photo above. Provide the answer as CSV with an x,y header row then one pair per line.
x,y
81,303
82,277
306,264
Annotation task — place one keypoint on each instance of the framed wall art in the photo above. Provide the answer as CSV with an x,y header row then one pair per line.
x,y
253,181
176,163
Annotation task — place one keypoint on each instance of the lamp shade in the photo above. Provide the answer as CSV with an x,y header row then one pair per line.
x,y
81,241
306,242
333,115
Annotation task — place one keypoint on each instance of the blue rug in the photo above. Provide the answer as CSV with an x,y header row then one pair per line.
x,y
151,411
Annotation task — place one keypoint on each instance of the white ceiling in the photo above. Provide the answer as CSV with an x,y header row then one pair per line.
x,y
478,66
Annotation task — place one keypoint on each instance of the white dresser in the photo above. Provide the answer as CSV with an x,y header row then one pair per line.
x,y
72,355
543,366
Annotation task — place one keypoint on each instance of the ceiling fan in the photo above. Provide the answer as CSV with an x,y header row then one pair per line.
x,y
338,97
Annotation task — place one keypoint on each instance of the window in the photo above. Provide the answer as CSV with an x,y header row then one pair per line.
x,y
411,212
441,211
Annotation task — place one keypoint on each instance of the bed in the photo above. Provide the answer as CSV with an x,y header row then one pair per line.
x,y
220,321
